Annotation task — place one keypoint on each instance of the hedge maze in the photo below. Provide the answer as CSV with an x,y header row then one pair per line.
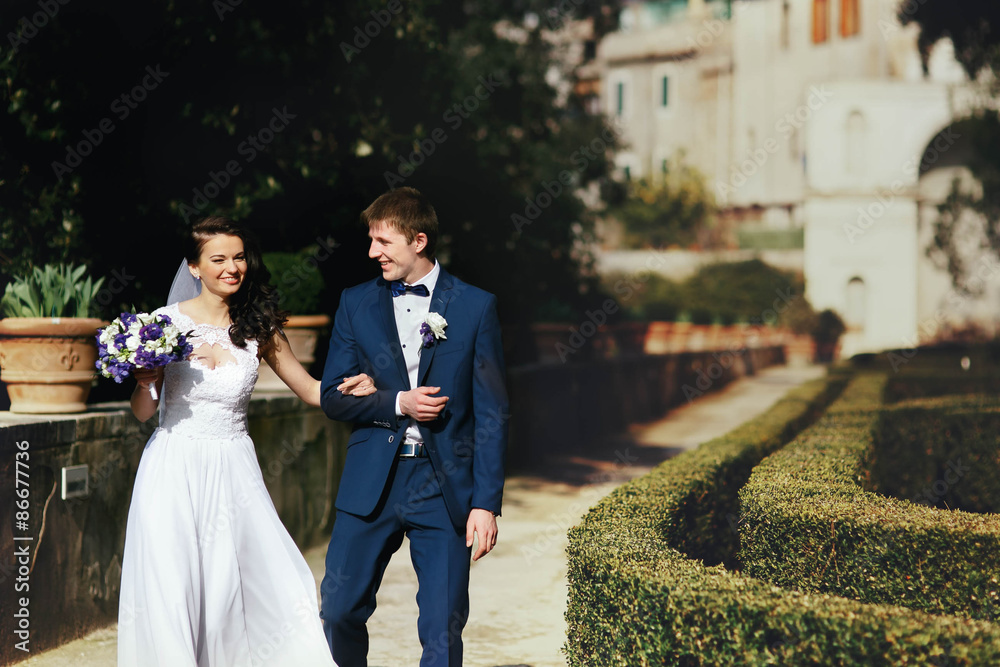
x,y
856,522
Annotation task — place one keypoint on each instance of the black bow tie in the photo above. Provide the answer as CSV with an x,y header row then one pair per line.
x,y
398,289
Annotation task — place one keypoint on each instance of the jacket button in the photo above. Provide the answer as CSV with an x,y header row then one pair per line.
x,y
391,438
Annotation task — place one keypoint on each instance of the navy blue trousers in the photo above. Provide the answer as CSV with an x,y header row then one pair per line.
x,y
360,548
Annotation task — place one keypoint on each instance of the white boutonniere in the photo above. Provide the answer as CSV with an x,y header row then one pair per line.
x,y
432,329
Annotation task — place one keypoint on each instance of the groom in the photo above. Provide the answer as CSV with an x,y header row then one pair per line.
x,y
426,457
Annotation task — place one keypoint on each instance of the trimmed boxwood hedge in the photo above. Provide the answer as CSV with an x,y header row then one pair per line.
x,y
636,599
941,452
807,523
927,383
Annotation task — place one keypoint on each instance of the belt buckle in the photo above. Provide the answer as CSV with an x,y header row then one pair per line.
x,y
412,450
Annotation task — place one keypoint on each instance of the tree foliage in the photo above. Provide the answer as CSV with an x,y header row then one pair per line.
x,y
724,293
972,25
674,211
974,28
291,117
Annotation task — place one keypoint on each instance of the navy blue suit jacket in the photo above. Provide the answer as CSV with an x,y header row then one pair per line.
x,y
468,440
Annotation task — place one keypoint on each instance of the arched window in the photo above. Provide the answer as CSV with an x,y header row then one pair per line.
x,y
857,130
856,306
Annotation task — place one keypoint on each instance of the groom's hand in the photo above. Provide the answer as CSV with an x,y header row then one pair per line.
x,y
420,404
485,524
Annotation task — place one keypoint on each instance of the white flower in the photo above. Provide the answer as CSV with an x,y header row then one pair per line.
x,y
132,342
436,324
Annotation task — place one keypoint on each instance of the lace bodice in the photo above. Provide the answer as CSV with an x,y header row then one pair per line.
x,y
204,402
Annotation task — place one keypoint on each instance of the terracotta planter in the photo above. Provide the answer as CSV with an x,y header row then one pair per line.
x,y
658,338
48,363
697,339
714,337
302,332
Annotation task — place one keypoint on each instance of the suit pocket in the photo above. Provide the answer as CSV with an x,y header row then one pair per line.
x,y
448,347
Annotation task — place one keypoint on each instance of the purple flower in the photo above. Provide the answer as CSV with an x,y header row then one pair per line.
x,y
150,332
427,335
114,355
145,358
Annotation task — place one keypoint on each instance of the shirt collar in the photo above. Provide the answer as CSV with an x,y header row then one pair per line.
x,y
429,280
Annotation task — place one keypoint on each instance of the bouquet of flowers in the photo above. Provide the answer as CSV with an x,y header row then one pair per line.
x,y
139,340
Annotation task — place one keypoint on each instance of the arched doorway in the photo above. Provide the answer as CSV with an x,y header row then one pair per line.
x,y
942,309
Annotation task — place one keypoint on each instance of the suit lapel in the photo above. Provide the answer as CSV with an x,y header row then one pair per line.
x,y
439,304
391,332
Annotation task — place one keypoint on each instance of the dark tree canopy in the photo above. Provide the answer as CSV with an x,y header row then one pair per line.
x,y
974,28
972,25
123,122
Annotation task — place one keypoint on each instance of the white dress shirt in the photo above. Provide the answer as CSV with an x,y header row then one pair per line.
x,y
410,311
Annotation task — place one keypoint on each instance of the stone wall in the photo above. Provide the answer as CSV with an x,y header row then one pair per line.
x,y
561,408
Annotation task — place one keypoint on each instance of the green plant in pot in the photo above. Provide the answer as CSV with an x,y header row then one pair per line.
x,y
47,346
300,286
829,328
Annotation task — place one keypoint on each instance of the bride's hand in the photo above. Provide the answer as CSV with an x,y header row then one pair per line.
x,y
359,385
147,376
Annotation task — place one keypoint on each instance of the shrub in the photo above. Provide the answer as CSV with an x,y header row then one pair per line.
x,y
940,452
808,524
635,599
676,211
765,295
297,279
763,292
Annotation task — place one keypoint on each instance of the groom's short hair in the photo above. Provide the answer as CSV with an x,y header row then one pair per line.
x,y
408,212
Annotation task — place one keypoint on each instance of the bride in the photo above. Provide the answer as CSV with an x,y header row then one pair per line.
x,y
210,576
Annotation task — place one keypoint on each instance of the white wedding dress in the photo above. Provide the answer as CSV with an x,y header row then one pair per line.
x,y
210,576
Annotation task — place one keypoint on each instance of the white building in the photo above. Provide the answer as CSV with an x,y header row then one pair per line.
x,y
809,115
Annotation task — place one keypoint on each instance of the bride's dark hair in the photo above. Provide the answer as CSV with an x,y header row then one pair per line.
x,y
254,307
